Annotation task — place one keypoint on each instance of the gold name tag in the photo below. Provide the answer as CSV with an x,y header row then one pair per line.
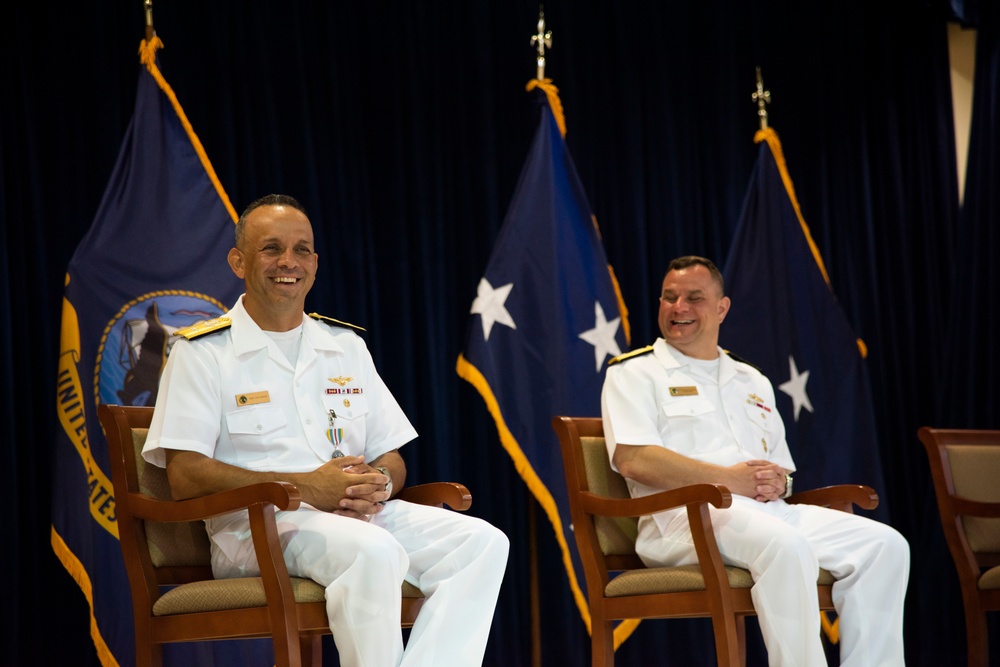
x,y
253,398
684,391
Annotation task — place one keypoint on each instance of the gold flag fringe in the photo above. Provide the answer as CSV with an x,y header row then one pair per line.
x,y
771,137
147,54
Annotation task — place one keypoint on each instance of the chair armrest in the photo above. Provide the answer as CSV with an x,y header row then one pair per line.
x,y
713,494
454,495
283,495
839,497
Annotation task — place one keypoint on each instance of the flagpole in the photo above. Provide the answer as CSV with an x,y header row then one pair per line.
x,y
150,32
540,40
762,98
533,597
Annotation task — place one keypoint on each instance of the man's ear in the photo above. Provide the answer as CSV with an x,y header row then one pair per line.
x,y
235,259
723,308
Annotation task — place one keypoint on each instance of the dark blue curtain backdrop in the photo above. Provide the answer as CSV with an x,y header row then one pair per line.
x,y
403,128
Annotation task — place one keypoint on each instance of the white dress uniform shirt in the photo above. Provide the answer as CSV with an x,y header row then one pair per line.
x,y
664,398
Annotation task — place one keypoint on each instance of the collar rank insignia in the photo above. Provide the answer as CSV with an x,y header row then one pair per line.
x,y
335,323
628,355
204,327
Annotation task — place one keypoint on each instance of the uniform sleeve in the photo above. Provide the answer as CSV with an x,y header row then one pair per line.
x,y
628,409
188,406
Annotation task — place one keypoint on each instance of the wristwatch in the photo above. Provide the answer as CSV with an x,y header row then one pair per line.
x,y
388,485
788,487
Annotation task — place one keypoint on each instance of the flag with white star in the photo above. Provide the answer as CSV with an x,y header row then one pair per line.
x,y
786,320
544,322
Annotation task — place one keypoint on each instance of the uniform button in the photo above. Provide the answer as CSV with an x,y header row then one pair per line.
x,y
260,427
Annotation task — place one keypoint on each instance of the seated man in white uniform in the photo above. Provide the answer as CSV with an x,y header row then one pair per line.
x,y
676,413
270,394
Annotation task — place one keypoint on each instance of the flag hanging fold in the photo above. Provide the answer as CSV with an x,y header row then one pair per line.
x,y
546,317
786,321
154,260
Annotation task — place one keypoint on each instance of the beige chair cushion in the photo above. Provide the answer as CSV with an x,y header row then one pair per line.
x,y
218,594
990,581
616,535
669,580
180,543
974,472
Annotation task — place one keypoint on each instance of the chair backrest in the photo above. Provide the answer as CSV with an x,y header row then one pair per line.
x,y
177,551
588,469
965,465
617,535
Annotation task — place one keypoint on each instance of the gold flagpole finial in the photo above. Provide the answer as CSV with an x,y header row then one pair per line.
x,y
762,98
150,32
541,40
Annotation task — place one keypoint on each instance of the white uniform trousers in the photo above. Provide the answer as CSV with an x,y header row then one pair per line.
x,y
783,546
458,561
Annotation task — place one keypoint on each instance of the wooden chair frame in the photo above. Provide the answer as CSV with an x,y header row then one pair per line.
x,y
719,592
963,520
293,612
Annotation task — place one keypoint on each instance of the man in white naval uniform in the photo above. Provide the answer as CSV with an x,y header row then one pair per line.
x,y
268,393
682,412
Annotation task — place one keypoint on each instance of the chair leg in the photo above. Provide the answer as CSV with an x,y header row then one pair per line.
x,y
286,652
741,637
147,652
602,643
149,655
730,638
977,639
311,648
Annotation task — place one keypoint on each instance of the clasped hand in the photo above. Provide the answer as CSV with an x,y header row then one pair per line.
x,y
349,487
761,480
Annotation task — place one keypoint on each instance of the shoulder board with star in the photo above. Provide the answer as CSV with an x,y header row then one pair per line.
x,y
740,359
629,355
204,327
336,323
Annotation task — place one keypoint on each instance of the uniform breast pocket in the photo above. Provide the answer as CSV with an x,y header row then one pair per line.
x,y
760,441
252,429
683,425
351,414
759,417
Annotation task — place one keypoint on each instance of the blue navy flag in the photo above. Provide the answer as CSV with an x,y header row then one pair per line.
x,y
154,260
786,321
545,319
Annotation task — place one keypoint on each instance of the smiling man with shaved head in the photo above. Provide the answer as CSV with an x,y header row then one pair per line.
x,y
267,393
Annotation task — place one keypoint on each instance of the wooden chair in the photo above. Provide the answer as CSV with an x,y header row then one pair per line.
x,y
965,467
620,586
166,551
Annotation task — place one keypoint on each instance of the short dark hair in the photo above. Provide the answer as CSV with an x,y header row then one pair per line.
x,y
266,200
687,261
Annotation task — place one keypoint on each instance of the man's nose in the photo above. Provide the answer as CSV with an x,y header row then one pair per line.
x,y
286,259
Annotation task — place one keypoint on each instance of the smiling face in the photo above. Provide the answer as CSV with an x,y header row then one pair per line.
x,y
692,307
277,262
